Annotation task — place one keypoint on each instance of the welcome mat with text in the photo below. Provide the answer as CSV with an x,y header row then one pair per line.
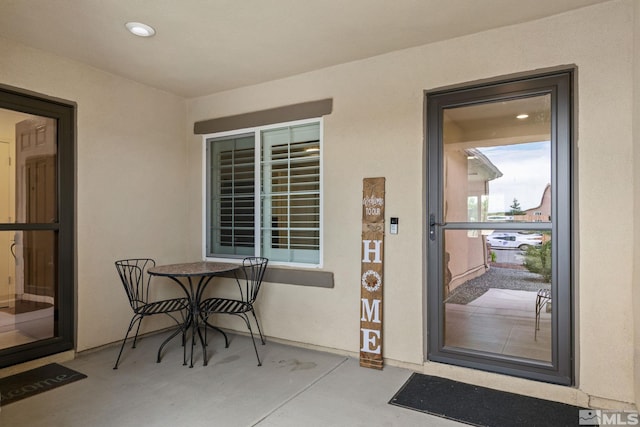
x,y
34,381
481,406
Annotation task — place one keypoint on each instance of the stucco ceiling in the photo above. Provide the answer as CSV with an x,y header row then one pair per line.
x,y
207,46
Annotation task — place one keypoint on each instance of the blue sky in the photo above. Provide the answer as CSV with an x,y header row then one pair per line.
x,y
526,171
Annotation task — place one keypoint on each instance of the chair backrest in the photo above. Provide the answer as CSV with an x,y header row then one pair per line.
x,y
133,273
252,273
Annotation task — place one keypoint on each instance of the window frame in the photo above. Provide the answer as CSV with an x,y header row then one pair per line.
x,y
257,131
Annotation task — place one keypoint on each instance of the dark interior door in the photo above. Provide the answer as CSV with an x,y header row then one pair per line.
x,y
39,247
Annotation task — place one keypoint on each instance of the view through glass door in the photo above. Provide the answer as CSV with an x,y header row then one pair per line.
x,y
28,294
36,227
498,193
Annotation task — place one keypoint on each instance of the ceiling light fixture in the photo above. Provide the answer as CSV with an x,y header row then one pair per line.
x,y
140,29
522,116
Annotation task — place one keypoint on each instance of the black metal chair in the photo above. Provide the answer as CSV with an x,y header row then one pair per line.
x,y
252,272
136,281
543,298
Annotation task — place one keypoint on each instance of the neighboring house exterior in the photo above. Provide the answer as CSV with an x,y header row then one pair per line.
x,y
468,171
540,213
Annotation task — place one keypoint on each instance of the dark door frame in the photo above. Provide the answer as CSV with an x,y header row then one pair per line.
x,y
64,112
558,83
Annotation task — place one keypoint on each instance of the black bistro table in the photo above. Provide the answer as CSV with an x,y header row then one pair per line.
x,y
184,275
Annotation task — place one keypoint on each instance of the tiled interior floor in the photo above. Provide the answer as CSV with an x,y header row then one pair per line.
x,y
500,321
294,387
17,329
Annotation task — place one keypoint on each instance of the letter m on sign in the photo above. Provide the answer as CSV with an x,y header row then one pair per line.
x,y
370,311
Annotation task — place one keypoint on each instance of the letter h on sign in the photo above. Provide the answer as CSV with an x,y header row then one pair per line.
x,y
367,251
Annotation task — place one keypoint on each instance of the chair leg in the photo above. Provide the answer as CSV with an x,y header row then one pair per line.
x,y
259,330
135,338
133,321
539,304
205,357
253,340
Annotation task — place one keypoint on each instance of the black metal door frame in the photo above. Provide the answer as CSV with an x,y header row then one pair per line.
x,y
64,112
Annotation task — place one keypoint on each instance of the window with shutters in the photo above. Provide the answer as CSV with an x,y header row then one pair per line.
x,y
281,221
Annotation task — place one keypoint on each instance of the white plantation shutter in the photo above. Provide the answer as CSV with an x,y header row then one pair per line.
x,y
290,170
232,189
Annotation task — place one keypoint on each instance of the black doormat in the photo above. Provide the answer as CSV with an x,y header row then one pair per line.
x,y
30,383
480,406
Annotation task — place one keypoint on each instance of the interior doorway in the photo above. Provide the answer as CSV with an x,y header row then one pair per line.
x,y
7,273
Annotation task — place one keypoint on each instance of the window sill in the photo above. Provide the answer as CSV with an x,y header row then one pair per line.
x,y
289,276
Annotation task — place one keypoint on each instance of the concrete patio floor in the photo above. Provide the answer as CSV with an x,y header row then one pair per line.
x,y
294,387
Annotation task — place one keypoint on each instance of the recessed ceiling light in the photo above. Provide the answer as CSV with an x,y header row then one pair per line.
x,y
140,29
522,116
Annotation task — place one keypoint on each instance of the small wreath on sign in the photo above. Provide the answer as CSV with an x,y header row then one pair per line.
x,y
371,281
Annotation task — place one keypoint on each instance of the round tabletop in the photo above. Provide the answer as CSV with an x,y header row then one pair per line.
x,y
201,268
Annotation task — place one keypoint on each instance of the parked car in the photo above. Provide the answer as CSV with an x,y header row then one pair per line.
x,y
502,218
514,240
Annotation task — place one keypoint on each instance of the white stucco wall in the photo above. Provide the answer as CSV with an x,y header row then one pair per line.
x,y
131,165
376,129
636,192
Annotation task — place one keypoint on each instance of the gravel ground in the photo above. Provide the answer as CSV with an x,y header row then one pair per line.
x,y
500,278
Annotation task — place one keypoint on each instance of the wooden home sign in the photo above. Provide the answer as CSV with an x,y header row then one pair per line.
x,y
372,273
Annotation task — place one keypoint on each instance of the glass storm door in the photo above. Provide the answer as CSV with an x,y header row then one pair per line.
x,y
36,227
499,265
